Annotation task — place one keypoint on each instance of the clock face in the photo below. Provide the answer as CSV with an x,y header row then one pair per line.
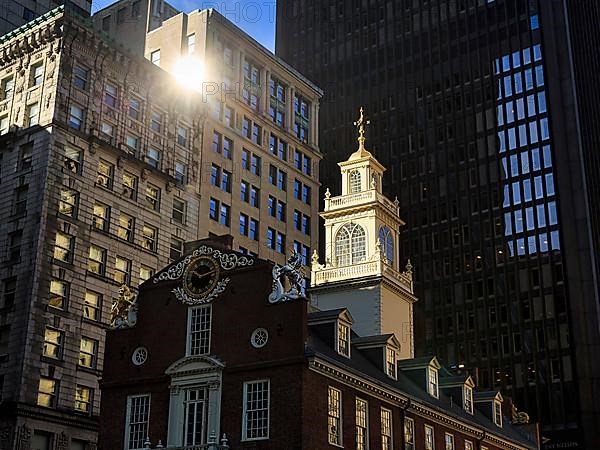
x,y
200,276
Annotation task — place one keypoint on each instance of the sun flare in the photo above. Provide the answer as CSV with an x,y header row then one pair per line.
x,y
189,73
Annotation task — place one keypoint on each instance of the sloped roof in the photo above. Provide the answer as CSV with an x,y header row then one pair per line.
x,y
362,367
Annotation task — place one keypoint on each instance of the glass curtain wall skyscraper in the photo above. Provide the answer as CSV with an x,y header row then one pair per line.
x,y
483,111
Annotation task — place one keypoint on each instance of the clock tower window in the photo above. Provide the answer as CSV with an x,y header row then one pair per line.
x,y
355,181
386,242
350,245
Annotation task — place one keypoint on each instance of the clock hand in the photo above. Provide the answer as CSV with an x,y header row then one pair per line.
x,y
204,275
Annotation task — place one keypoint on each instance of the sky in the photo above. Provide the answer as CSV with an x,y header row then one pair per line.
x,y
255,17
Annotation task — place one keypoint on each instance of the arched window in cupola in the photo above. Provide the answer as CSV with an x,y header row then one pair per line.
x,y
350,245
386,241
354,181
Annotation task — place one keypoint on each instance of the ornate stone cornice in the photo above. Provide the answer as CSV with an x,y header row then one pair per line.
x,y
360,383
31,37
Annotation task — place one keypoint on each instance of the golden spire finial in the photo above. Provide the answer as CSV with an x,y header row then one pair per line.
x,y
360,123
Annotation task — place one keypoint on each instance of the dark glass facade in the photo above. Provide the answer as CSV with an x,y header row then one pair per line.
x,y
480,110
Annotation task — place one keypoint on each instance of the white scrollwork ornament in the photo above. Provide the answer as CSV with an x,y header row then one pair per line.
x,y
183,296
290,272
227,261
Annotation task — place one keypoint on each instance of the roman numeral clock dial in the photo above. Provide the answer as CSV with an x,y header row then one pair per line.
x,y
200,277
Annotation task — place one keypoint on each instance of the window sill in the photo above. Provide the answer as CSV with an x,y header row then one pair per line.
x,y
254,439
92,370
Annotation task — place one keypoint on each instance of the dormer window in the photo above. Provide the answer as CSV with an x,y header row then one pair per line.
x,y
390,362
468,399
343,339
432,382
354,181
498,413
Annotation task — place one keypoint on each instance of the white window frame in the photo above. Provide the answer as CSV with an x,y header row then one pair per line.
x,y
409,425
337,417
338,338
387,429
449,441
433,387
189,347
432,442
468,399
468,445
246,411
204,412
128,423
390,364
362,423
497,406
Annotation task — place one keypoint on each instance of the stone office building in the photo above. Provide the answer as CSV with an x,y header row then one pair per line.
x,y
98,189
14,13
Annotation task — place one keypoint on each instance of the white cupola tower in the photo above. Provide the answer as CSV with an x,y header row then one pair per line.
x,y
361,270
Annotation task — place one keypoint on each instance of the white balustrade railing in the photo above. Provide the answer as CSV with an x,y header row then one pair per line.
x,y
330,274
358,199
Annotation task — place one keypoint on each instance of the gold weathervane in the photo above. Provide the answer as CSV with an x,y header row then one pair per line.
x,y
360,124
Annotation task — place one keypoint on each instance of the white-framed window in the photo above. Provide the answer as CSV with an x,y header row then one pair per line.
x,y
362,424
137,419
390,362
449,441
429,438
468,399
468,445
4,125
256,410
343,339
355,181
37,74
199,324
8,88
33,114
498,413
76,117
432,382
409,434
195,413
153,157
350,244
191,43
387,440
155,57
334,416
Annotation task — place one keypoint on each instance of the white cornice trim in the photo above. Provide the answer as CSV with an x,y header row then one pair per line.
x,y
366,385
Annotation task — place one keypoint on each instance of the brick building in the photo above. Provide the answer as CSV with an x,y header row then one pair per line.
x,y
222,343
273,375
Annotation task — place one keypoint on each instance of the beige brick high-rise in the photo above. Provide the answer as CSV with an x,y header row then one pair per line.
x,y
261,134
98,151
